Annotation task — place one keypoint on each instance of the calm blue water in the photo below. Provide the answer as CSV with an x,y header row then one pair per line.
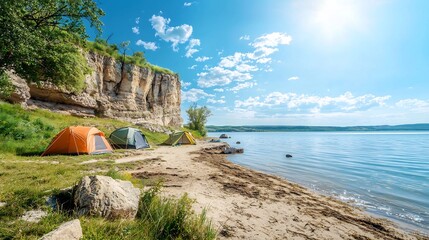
x,y
387,173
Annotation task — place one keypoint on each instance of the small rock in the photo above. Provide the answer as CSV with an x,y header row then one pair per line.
x,y
224,136
106,197
288,155
231,150
67,231
34,215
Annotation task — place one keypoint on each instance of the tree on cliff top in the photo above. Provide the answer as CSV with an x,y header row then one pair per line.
x,y
39,38
198,118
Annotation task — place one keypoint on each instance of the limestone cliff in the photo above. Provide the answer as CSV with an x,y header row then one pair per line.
x,y
131,93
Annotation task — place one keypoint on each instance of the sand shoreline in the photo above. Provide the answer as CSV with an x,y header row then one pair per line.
x,y
246,204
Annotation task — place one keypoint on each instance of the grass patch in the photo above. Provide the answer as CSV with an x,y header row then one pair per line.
x,y
26,179
112,50
157,218
29,132
173,218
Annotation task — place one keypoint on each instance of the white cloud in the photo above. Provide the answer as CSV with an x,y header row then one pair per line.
x,y
246,68
245,37
218,76
272,40
190,49
413,103
138,20
202,59
244,85
343,103
136,30
262,52
264,60
147,45
192,67
220,52
211,100
176,35
267,44
250,102
185,84
218,90
194,94
237,67
294,78
188,4
232,61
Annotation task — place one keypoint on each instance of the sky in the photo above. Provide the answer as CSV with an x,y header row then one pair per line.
x,y
286,62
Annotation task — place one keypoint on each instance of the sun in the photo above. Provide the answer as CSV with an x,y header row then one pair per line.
x,y
335,17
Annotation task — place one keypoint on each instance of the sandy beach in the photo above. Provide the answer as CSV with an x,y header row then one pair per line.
x,y
246,204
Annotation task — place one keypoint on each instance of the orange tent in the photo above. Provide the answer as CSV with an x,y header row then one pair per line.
x,y
78,140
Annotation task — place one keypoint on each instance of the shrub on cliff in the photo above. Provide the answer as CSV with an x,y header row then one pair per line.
x,y
39,37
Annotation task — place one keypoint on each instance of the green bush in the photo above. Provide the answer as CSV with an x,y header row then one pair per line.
x,y
173,218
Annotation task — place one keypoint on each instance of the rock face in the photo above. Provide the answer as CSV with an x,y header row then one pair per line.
x,y
34,216
67,231
105,197
22,92
135,94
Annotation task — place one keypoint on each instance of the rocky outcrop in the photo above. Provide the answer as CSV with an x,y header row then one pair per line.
x,y
22,92
130,93
105,197
67,231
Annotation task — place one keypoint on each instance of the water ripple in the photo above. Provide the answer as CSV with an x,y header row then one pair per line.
x,y
385,173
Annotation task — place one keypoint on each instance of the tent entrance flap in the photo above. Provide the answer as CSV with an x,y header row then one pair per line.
x,y
99,143
139,141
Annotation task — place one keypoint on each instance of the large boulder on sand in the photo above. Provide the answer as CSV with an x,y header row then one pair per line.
x,y
106,197
67,231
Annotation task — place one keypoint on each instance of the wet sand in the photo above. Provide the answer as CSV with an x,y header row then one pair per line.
x,y
246,204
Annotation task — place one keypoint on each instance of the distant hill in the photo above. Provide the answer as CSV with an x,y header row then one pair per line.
x,y
279,128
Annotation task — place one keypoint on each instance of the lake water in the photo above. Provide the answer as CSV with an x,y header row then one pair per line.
x,y
387,173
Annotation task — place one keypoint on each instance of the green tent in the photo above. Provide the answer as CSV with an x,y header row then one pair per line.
x,y
180,138
129,138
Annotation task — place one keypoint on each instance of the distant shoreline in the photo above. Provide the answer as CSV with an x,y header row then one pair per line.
x,y
285,128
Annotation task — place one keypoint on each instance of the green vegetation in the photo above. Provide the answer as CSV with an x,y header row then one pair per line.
x,y
157,218
25,132
274,128
38,40
27,179
198,118
101,47
6,87
173,219
42,39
